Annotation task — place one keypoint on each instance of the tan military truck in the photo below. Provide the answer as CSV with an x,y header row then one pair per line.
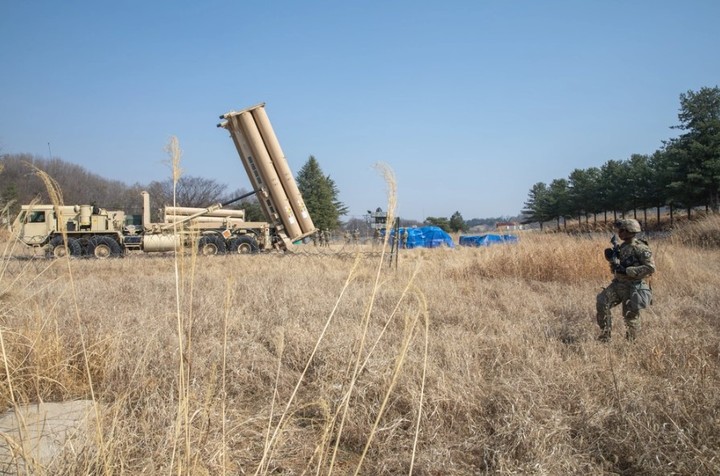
x,y
93,231
102,233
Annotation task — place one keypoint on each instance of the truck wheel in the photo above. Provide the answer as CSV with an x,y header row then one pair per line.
x,y
210,245
56,248
84,246
243,245
103,247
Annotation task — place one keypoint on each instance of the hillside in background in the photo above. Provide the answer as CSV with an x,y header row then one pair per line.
x,y
19,182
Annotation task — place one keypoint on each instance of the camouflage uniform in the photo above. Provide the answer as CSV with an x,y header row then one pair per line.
x,y
632,265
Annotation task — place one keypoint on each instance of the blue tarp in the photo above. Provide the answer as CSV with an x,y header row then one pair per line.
x,y
425,237
487,240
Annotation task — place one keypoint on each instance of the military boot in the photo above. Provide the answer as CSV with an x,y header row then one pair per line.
x,y
604,336
632,327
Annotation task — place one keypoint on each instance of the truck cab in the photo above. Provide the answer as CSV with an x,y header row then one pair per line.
x,y
34,224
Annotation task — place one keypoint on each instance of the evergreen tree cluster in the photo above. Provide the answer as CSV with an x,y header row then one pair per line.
x,y
320,194
683,173
455,224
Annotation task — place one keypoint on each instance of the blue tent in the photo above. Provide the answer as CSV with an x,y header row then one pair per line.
x,y
487,240
425,237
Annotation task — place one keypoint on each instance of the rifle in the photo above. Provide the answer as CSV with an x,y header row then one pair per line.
x,y
613,256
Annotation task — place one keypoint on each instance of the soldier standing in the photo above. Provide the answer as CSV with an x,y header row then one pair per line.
x,y
631,263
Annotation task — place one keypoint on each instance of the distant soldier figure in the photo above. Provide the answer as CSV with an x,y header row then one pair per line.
x,y
356,236
404,237
314,238
326,237
631,263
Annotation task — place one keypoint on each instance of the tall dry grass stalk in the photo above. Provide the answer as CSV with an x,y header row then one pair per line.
x,y
391,184
184,326
223,394
462,361
350,382
31,465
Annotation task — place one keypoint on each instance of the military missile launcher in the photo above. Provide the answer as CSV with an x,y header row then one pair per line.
x,y
87,230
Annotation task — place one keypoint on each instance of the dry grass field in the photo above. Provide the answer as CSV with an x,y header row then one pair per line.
x,y
459,361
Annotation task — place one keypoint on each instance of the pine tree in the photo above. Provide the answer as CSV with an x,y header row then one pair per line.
x,y
457,223
320,194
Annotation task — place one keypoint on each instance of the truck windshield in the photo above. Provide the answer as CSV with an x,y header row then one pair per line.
x,y
37,217
133,220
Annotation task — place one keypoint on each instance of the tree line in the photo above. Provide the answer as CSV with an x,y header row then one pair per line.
x,y
684,173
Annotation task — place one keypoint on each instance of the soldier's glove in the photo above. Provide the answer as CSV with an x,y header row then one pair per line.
x,y
618,268
609,254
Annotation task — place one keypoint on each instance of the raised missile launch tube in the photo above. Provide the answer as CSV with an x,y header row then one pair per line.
x,y
246,157
248,160
233,126
269,174
283,169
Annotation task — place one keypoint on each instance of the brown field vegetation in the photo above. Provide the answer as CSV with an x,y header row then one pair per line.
x,y
461,361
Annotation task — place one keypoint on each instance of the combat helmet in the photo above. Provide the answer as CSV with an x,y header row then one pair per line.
x,y
630,225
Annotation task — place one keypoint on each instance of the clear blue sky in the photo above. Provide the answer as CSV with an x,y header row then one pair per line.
x,y
469,102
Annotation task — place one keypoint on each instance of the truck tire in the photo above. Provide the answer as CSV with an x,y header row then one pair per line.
x,y
210,245
56,248
103,247
243,245
84,246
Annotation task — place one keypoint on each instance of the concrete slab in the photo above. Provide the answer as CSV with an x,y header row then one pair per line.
x,y
34,435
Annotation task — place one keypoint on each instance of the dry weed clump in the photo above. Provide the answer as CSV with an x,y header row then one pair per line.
x,y
703,233
538,257
463,361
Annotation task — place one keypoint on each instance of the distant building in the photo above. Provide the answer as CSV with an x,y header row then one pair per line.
x,y
508,226
479,229
377,219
